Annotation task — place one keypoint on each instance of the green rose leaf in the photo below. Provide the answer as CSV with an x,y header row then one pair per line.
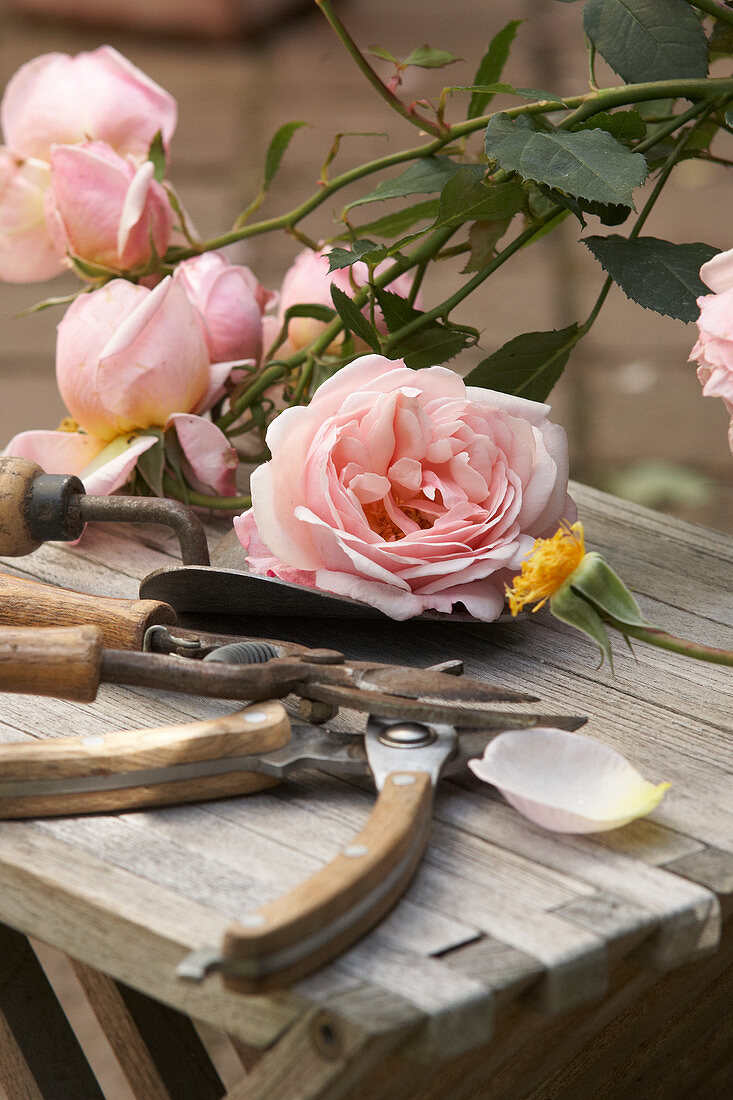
x,y
529,365
428,346
396,224
277,149
491,67
657,275
647,39
343,257
589,164
623,125
465,198
385,55
425,57
426,176
483,238
151,464
354,319
509,89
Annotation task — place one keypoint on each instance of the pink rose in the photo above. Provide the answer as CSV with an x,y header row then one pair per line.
x,y
406,490
58,99
104,208
230,302
130,359
308,282
713,351
27,252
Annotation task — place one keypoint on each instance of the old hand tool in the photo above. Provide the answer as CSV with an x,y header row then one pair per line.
x,y
70,663
36,507
243,753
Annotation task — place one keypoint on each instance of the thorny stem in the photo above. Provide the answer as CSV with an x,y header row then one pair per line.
x,y
380,87
445,307
710,6
584,106
201,500
660,638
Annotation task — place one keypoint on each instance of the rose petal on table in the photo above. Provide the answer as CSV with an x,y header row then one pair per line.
x,y
566,782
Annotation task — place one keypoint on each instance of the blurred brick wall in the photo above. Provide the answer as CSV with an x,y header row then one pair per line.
x,y
628,396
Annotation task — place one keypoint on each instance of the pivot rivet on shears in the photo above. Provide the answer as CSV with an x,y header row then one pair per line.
x,y
407,735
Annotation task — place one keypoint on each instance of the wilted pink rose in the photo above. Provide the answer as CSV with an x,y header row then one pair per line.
x,y
308,282
27,252
58,99
230,301
406,490
713,351
104,208
130,359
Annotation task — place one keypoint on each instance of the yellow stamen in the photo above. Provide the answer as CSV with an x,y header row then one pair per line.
x,y
547,567
68,424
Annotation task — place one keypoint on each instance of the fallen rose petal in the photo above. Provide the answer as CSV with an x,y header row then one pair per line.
x,y
566,782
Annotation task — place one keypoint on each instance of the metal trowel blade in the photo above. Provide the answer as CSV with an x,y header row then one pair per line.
x,y
226,587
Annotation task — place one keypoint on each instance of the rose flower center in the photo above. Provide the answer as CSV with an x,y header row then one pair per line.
x,y
382,523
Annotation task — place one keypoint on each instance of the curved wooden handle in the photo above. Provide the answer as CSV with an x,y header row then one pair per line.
x,y
123,622
42,771
295,934
63,661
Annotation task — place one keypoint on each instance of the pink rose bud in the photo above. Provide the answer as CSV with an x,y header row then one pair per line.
x,y
308,282
104,209
128,357
713,351
406,489
58,99
27,252
230,302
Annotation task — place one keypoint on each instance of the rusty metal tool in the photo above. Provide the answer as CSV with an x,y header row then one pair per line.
x,y
36,507
71,663
246,752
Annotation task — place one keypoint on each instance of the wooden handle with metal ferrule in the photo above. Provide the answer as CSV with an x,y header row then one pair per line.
x,y
130,769
63,661
300,931
123,622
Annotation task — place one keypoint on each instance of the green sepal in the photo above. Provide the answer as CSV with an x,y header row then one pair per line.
x,y
595,581
573,609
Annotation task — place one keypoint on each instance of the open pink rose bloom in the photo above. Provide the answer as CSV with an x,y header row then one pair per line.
x,y
406,490
713,351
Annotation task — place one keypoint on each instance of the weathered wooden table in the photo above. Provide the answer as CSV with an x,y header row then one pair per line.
x,y
520,963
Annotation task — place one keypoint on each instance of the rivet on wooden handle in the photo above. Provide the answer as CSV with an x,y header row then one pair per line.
x,y
252,730
61,661
303,929
123,622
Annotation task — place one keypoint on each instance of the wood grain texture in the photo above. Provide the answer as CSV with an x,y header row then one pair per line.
x,y
123,622
503,924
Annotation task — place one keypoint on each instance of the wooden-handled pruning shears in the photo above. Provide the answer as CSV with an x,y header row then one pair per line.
x,y
246,752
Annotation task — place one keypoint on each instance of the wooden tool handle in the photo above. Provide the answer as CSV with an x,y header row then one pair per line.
x,y
63,661
123,622
295,934
64,761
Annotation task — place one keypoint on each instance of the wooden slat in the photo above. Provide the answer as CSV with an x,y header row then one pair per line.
x,y
38,1049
